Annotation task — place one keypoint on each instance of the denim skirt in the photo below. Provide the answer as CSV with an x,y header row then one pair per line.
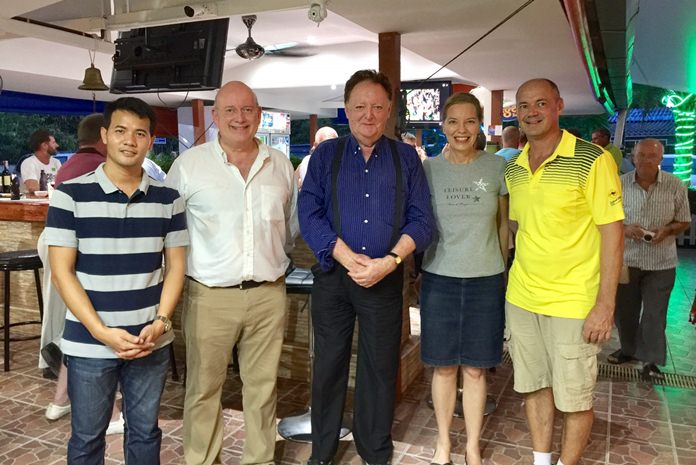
x,y
462,320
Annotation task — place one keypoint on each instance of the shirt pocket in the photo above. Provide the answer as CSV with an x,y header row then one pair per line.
x,y
273,200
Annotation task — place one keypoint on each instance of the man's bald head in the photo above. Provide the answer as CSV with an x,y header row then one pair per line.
x,y
649,144
323,134
234,87
536,82
511,137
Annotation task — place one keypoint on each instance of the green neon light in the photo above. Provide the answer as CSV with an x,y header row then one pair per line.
x,y
684,110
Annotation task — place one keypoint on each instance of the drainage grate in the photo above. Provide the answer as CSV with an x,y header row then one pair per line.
x,y
625,373
629,373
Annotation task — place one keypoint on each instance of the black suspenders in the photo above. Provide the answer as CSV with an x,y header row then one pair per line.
x,y
398,201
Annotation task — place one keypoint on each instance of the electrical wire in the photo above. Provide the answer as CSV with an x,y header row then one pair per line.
x,y
486,34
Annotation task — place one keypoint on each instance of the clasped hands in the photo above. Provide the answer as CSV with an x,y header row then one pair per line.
x,y
366,271
128,346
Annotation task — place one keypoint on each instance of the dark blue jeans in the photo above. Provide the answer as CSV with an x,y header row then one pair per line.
x,y
91,387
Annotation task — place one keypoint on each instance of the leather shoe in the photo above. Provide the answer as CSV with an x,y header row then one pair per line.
x,y
54,412
618,357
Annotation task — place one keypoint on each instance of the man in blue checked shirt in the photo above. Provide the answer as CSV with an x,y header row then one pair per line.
x,y
107,231
364,207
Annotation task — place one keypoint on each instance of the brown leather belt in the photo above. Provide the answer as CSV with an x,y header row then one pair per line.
x,y
244,285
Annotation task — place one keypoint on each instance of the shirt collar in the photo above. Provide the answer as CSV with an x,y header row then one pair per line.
x,y
354,145
565,148
109,187
634,177
263,150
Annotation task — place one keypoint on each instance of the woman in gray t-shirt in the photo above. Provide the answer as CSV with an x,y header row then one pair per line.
x,y
463,292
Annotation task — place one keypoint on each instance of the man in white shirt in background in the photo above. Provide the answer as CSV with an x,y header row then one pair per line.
x,y
240,206
44,146
321,135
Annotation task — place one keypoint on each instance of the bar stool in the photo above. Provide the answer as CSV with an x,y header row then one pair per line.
x,y
299,427
19,260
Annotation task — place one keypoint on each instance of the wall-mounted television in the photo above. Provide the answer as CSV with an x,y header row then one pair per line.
x,y
425,101
175,57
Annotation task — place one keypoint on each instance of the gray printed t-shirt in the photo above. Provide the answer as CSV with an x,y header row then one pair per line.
x,y
465,204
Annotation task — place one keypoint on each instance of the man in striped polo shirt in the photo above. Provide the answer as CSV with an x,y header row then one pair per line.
x,y
107,231
566,198
657,210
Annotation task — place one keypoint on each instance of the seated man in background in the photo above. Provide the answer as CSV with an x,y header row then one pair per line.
x,y
44,146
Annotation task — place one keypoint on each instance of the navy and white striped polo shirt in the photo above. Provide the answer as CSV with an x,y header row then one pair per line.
x,y
119,244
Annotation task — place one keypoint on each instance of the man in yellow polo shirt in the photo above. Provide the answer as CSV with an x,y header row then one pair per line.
x,y
565,195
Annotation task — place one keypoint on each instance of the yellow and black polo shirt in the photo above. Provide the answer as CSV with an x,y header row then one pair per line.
x,y
558,208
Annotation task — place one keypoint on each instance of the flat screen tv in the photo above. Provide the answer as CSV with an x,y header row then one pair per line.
x,y
425,101
176,57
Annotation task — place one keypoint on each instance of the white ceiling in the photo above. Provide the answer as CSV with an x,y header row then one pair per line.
x,y
535,43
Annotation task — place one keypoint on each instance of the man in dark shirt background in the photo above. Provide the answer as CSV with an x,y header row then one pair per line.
x,y
364,207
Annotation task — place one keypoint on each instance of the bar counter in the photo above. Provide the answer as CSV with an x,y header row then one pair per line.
x,y
21,223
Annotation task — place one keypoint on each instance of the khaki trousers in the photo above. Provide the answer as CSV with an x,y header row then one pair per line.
x,y
214,319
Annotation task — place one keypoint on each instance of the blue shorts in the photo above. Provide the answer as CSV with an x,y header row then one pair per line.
x,y
462,320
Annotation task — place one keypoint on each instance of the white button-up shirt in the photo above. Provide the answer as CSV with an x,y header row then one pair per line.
x,y
240,230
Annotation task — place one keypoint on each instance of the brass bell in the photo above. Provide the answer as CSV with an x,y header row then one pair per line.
x,y
93,80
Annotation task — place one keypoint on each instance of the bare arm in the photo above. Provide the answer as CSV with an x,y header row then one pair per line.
x,y
671,229
124,344
600,320
503,227
174,274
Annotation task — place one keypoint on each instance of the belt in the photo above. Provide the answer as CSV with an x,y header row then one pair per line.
x,y
244,285
249,284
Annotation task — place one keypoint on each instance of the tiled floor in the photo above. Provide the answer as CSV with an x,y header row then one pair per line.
x,y
636,423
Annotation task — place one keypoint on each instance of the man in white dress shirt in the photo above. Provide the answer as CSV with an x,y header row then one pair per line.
x,y
240,205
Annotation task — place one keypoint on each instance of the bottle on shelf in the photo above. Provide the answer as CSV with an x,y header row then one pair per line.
x,y
15,188
43,181
6,177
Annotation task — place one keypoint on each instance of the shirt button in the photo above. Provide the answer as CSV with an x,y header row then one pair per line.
x,y
365,221
363,247
367,195
366,171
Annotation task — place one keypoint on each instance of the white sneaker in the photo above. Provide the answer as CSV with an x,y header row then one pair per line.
x,y
54,412
116,426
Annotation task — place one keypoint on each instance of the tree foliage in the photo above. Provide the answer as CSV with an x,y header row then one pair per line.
x,y
15,129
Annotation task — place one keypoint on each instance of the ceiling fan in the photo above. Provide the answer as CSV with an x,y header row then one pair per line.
x,y
250,50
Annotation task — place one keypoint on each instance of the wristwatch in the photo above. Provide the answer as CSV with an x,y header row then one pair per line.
x,y
397,259
167,322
